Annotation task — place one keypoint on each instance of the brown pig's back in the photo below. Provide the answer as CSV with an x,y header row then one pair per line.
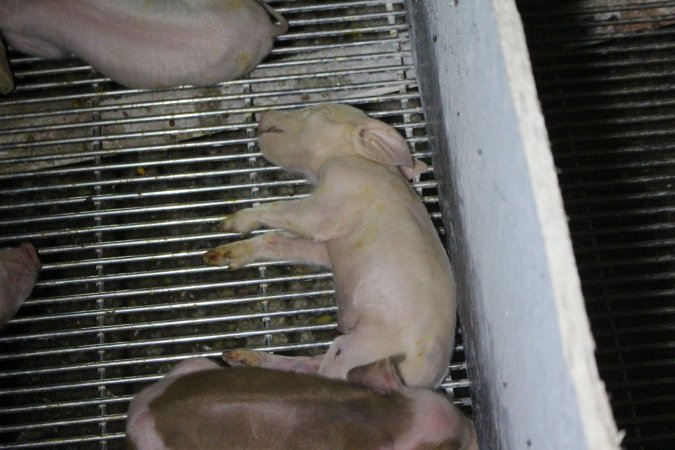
x,y
260,408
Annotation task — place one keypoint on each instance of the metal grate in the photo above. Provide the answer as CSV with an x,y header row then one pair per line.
x,y
606,78
120,190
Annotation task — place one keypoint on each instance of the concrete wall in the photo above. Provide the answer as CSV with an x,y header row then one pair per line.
x,y
535,380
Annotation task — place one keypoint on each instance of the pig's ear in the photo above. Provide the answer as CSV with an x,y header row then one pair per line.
x,y
417,168
380,376
381,143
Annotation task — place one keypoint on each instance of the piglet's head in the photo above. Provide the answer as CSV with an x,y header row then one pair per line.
x,y
303,140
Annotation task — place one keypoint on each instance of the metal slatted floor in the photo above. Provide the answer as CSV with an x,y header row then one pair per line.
x,y
606,78
120,190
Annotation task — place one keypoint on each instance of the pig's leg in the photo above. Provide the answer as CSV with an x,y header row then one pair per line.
x,y
34,46
361,346
306,218
6,80
274,246
253,358
26,44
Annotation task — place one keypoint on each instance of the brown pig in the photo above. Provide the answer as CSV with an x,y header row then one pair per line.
x,y
144,43
18,271
394,285
199,405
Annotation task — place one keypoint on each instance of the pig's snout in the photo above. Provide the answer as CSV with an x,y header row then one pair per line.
x,y
28,249
18,271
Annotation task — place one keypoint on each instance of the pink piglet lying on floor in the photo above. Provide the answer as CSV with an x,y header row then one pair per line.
x,y
144,43
394,285
201,405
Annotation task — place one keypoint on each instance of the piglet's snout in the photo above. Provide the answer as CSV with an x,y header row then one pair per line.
x,y
270,122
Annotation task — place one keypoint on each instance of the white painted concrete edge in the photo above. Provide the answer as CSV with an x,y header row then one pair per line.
x,y
591,397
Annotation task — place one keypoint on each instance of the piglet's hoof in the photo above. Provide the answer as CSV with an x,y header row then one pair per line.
x,y
234,255
226,224
213,258
243,221
242,357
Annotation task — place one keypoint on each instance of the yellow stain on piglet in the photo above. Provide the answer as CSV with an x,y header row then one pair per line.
x,y
366,237
234,5
243,60
366,192
422,345
379,207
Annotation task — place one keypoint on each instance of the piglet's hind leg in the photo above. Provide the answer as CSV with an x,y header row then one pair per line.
x,y
253,358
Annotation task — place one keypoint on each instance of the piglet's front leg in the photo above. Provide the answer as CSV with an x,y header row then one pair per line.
x,y
243,357
272,246
304,218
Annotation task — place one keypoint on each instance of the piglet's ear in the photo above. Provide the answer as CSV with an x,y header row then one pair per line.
x,y
380,376
417,168
381,143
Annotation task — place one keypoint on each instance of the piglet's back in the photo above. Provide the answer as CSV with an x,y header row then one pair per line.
x,y
258,408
